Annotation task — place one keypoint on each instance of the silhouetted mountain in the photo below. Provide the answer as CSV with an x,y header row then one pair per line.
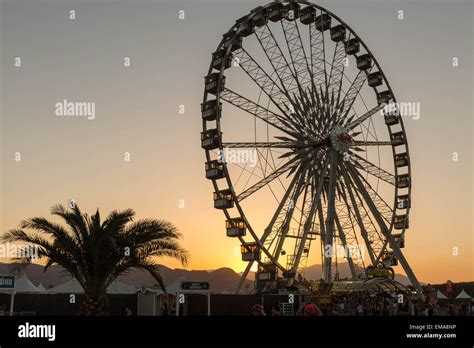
x,y
223,280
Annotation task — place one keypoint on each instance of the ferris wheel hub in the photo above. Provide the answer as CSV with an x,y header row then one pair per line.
x,y
340,139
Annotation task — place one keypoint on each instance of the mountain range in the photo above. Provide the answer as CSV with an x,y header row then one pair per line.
x,y
223,280
315,272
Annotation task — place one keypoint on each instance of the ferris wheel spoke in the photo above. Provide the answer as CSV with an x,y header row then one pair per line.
x,y
318,57
258,111
278,61
376,239
266,180
372,169
297,144
352,94
331,194
348,228
371,143
261,78
385,210
307,107
337,73
358,216
353,124
288,217
269,230
250,145
297,53
386,232
342,237
313,206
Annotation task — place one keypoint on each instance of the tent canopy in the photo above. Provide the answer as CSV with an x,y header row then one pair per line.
x,y
173,288
23,286
463,295
440,295
72,286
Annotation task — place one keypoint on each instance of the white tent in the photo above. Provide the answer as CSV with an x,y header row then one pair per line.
x,y
441,296
463,296
73,287
121,288
24,286
41,287
176,286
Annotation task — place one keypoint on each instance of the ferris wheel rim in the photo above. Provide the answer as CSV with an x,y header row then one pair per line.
x,y
240,210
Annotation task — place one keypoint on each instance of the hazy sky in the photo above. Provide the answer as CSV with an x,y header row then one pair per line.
x,y
137,112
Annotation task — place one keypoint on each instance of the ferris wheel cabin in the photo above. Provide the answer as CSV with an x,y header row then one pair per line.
x,y
223,199
228,41
399,239
375,79
219,60
391,118
210,110
403,181
323,22
214,170
384,97
398,138
338,33
235,227
210,139
403,202
212,83
266,272
275,12
250,252
291,11
364,62
401,222
259,19
401,159
352,46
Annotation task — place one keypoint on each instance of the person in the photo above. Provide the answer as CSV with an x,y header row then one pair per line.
x,y
360,309
126,312
164,309
276,309
3,308
463,310
311,310
405,307
257,310
385,308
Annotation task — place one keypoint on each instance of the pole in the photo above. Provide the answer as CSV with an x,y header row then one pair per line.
x,y
12,302
208,304
177,304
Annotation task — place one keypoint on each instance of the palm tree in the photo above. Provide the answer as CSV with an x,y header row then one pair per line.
x,y
95,252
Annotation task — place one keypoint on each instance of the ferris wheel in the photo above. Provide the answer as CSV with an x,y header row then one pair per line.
x,y
305,146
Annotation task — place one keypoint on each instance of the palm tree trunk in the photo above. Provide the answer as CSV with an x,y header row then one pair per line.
x,y
94,305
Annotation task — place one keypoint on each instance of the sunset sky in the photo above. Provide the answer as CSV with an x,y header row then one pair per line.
x,y
137,111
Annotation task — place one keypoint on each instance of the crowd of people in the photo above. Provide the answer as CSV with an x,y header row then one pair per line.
x,y
382,304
